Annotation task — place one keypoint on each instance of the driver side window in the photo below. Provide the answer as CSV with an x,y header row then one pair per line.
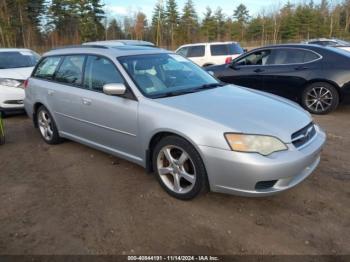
x,y
255,59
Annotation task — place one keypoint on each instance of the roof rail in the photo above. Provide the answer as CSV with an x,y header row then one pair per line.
x,y
80,46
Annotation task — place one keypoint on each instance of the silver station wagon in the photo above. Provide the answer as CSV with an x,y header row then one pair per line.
x,y
161,111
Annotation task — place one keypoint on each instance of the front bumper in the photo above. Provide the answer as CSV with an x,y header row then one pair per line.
x,y
11,99
240,173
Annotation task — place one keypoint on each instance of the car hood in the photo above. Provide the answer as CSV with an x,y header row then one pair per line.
x,y
16,73
244,110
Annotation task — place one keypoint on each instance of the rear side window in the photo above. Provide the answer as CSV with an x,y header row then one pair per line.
x,y
47,68
310,56
218,50
100,71
196,51
71,70
287,56
226,49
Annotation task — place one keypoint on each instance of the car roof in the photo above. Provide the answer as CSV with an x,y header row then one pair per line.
x,y
114,51
15,50
211,43
306,46
120,42
322,39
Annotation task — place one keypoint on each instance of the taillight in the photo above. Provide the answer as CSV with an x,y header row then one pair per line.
x,y
25,84
228,60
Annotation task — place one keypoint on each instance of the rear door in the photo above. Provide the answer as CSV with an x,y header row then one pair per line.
x,y
197,54
247,71
288,70
110,122
64,94
222,53
57,80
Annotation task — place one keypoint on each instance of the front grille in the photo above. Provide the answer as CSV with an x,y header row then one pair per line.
x,y
265,184
304,135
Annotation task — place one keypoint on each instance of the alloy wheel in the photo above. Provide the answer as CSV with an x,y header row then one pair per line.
x,y
176,169
45,125
319,99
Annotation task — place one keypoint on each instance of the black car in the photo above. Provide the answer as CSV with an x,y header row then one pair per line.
x,y
316,77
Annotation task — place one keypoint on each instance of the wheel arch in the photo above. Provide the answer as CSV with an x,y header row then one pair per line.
x,y
36,106
320,80
156,137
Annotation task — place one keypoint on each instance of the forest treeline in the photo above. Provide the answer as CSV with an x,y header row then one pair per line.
x,y
43,24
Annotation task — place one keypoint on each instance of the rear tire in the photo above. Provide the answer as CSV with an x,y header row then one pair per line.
x,y
179,168
47,126
320,98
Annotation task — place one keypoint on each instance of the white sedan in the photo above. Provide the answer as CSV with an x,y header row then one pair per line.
x,y
16,65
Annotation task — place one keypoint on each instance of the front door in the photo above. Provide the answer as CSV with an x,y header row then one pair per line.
x,y
110,122
247,71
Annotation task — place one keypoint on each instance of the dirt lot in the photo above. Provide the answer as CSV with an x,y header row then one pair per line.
x,y
70,199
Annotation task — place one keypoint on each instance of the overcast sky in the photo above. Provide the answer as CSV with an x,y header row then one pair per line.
x,y
122,8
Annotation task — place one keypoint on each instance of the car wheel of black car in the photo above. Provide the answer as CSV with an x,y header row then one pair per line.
x,y
320,98
179,168
47,126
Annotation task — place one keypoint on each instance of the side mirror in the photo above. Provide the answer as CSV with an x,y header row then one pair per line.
x,y
233,66
114,89
211,73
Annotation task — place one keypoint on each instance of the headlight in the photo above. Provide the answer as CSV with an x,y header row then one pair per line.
x,y
264,145
10,82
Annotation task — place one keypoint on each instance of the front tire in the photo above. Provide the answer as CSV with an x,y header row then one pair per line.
x,y
179,168
320,98
47,126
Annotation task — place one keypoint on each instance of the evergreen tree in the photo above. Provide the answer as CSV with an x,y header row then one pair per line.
x,y
158,20
172,20
114,30
209,28
219,17
241,14
189,22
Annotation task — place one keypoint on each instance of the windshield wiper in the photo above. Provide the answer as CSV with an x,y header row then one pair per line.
x,y
175,93
190,91
210,86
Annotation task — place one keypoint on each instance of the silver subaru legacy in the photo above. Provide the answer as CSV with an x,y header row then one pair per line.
x,y
161,111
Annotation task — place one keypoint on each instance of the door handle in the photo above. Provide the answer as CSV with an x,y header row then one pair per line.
x,y
50,92
259,70
86,101
300,68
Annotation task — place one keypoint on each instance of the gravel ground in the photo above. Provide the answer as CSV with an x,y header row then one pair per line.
x,y
70,199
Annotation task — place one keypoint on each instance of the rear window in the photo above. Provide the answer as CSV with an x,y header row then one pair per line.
x,y
18,59
226,49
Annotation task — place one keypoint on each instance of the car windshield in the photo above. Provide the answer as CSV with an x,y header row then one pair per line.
x,y
17,59
163,75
